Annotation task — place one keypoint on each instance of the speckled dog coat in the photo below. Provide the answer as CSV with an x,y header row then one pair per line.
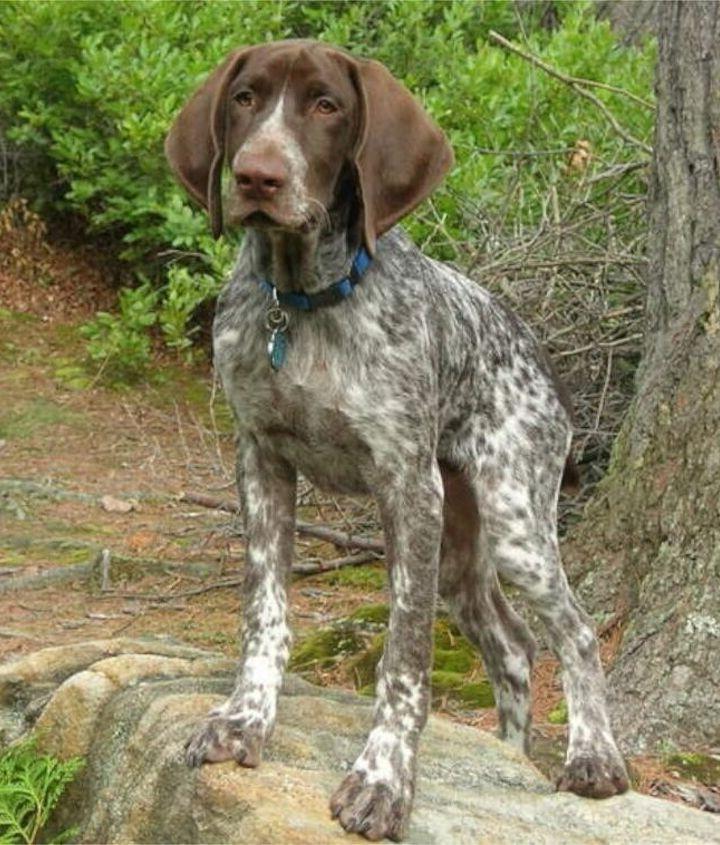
x,y
416,386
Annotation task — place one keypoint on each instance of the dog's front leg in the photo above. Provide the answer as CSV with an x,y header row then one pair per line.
x,y
376,797
239,728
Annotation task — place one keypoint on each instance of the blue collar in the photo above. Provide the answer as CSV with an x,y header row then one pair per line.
x,y
332,295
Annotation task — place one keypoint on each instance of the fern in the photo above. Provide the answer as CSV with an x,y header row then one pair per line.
x,y
30,788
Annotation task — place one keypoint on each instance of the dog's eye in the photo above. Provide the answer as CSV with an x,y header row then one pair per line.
x,y
325,106
244,98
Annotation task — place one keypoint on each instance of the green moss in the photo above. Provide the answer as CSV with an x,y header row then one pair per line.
x,y
447,635
455,661
323,648
461,659
700,767
218,638
72,375
477,694
446,681
24,550
378,614
77,529
17,317
455,685
362,666
34,415
559,714
457,670
366,577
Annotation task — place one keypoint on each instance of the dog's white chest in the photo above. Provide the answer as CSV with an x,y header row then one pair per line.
x,y
307,418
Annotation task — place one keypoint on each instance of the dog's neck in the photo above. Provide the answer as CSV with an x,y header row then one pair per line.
x,y
307,262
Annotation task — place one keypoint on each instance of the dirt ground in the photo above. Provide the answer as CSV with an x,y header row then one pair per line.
x,y
86,468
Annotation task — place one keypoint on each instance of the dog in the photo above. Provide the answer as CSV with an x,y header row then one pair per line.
x,y
350,357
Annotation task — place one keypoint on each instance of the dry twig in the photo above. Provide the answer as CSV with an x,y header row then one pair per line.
x,y
320,532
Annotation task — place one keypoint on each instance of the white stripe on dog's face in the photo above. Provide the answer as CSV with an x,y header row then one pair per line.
x,y
273,134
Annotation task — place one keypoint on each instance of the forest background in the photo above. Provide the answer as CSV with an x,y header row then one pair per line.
x,y
551,114
545,204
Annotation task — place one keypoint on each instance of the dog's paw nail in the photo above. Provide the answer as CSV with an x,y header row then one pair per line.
x,y
373,810
219,739
594,777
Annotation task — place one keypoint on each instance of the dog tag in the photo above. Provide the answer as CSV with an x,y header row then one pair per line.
x,y
276,322
277,348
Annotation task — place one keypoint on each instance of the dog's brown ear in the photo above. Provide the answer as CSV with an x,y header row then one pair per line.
x,y
195,145
401,156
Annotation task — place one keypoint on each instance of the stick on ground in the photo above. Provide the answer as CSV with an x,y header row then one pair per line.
x,y
309,529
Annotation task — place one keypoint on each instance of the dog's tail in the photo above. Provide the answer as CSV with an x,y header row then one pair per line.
x,y
570,482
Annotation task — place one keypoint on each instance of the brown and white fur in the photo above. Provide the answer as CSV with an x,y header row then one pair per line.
x,y
420,389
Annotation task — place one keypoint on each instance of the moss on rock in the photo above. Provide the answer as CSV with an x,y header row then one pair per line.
x,y
461,659
322,648
455,685
365,577
376,614
362,666
457,670
559,714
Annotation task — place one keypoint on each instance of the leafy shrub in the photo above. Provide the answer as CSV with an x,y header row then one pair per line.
x,y
185,290
120,342
30,787
89,90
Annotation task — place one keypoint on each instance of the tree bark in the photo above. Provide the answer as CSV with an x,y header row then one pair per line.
x,y
649,548
633,20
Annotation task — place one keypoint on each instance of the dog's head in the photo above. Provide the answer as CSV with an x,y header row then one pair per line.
x,y
300,125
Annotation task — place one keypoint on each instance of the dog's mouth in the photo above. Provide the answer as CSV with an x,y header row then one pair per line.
x,y
262,219
259,220
270,216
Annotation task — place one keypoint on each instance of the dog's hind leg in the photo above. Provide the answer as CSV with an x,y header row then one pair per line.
x,y
469,585
518,507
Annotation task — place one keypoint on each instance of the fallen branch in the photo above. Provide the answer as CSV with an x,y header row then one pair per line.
x,y
97,567
309,529
222,584
301,569
330,565
338,538
210,502
71,572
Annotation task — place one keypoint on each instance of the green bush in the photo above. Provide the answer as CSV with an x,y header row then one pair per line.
x,y
120,343
30,787
89,90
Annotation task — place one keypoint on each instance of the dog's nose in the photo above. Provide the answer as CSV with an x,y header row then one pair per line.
x,y
259,178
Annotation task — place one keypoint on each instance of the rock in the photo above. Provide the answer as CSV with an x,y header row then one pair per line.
x,y
129,705
113,505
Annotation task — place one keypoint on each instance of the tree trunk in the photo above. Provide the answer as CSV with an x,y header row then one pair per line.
x,y
649,549
633,20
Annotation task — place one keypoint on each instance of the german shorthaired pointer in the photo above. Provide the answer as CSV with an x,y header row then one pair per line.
x,y
349,356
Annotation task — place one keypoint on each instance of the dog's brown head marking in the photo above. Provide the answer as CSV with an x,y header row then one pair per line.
x,y
300,125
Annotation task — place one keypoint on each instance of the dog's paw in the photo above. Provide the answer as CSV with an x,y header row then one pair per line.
x,y
225,737
374,810
595,775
